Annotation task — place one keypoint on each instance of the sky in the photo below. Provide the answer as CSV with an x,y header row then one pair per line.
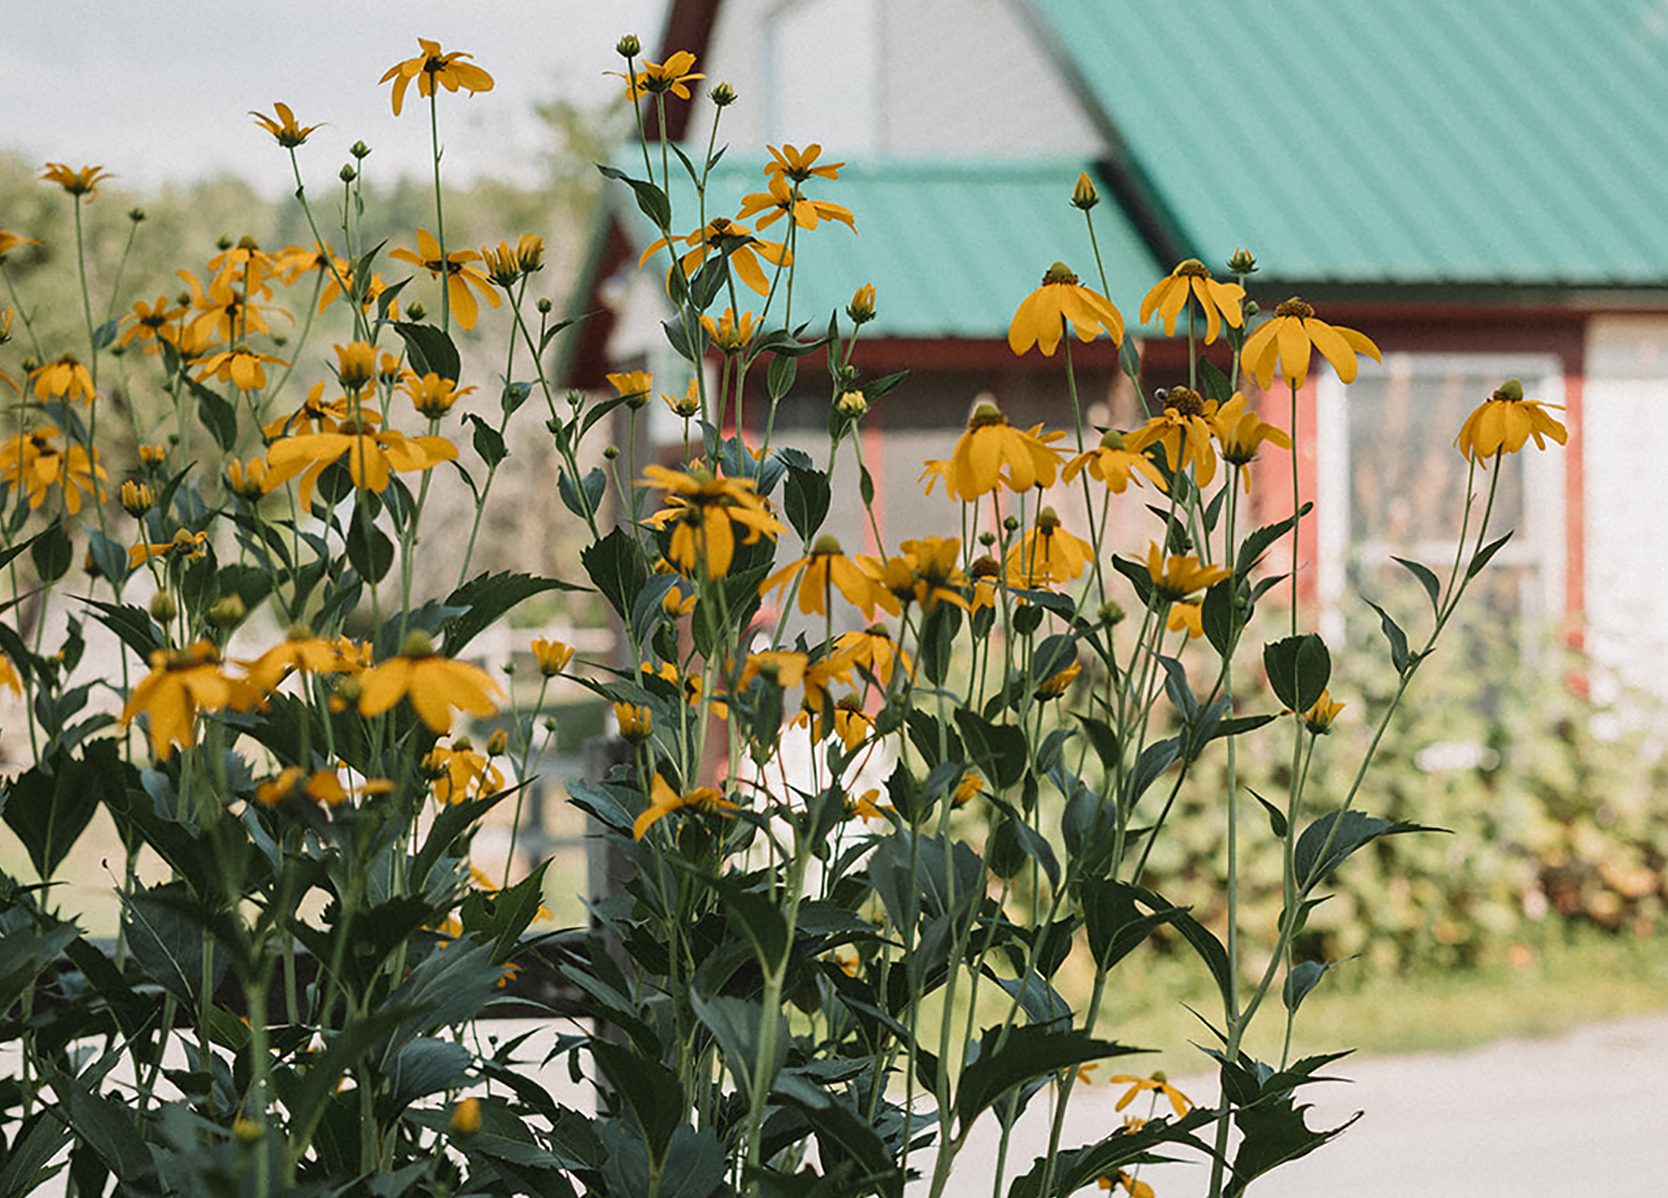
x,y
161,91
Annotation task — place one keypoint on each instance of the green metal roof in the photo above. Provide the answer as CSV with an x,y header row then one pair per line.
x,y
1520,142
951,247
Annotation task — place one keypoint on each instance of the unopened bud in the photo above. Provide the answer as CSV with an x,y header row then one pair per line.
x,y
137,498
1084,195
611,452
723,95
227,611
544,306
628,46
136,215
348,173
862,306
163,608
360,150
1242,262
498,743
416,311
852,404
1111,612
223,242
1511,390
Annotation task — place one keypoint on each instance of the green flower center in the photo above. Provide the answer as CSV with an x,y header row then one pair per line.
x,y
1059,273
984,416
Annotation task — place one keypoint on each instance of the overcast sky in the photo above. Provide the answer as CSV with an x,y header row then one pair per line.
x,y
160,91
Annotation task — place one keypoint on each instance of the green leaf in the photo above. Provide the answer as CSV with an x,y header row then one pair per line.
x,y
423,1067
368,548
52,552
103,1123
430,349
1253,547
650,1091
616,565
1076,1169
167,944
489,597
734,1023
218,416
1272,1134
1303,978
49,805
1299,668
784,368
650,199
1217,616
595,482
1394,634
488,441
1484,555
1116,927
805,498
132,624
842,1133
1028,1052
997,749
1276,817
1427,579
1334,836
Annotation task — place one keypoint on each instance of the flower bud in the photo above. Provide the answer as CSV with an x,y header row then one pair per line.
x,y
163,608
347,174
416,310
227,611
498,743
466,1118
1510,390
1242,262
544,306
635,722
417,643
1111,612
360,150
852,404
136,215
1084,195
628,46
987,538
611,452
355,364
246,1131
723,95
862,306
1010,524
137,498
223,242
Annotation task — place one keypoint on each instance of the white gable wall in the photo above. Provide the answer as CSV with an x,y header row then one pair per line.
x,y
933,78
1627,496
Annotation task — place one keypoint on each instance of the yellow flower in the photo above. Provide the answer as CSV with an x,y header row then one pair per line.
x,y
431,68
181,684
1042,316
657,78
314,415
1240,431
1191,279
1058,684
1113,463
431,395
783,199
9,677
1048,553
971,786
552,656
1132,1187
246,264
861,310
461,274
246,480
727,333
851,725
299,651
461,772
372,455
185,545
1084,194
689,404
663,801
1189,616
152,323
705,510
466,1117
874,651
1284,343
434,684
242,367
1184,429
223,312
923,572
323,787
64,379
35,462
283,126
799,165
355,364
635,723
721,236
1158,1083
633,386
152,456
1504,422
1176,576
83,182
1318,719
992,452
825,568
10,241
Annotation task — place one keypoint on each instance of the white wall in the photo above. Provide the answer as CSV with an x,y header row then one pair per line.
x,y
1626,581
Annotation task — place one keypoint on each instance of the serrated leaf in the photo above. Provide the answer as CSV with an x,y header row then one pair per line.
x,y
616,566
805,500
487,597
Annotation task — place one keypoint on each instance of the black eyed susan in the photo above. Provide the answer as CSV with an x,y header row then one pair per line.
x,y
65,378
663,801
1504,422
1183,428
1318,719
11,241
1133,1187
246,479
78,183
783,199
553,656
992,452
800,165
182,684
660,78
1114,463
1192,280
1188,618
434,69
242,367
185,545
1158,1084
1058,683
729,332
373,456
223,311
435,685
923,572
1283,345
299,652
706,511
687,405
632,386
151,324
1241,432
35,462
822,571
283,126
635,723
1043,316
724,237
873,651
460,771
1175,576
1047,554
431,395
463,276
861,310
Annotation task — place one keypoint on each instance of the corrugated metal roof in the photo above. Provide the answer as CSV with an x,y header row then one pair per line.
x,y
951,247
1420,141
